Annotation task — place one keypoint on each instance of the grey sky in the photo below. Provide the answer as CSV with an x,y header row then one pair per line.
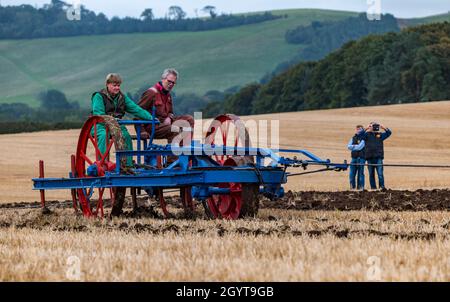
x,y
121,8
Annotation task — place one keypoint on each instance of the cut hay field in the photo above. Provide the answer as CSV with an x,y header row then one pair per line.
x,y
309,236
421,135
297,246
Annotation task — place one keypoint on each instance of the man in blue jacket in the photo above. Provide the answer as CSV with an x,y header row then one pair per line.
x,y
374,151
356,146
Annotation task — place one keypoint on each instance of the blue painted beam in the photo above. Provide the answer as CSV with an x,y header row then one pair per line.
x,y
164,179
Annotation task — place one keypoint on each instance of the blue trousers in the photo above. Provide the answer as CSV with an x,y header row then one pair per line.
x,y
357,172
379,169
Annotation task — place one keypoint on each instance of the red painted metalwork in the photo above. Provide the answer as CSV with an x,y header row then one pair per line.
x,y
185,195
222,123
102,161
186,199
163,204
162,201
41,175
134,198
227,206
73,191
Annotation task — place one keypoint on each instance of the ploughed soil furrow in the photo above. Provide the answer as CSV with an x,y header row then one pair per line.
x,y
221,231
395,200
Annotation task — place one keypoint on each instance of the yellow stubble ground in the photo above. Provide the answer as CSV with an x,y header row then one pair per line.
x,y
197,251
421,135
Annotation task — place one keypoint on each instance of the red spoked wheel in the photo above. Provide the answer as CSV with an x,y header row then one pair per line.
x,y
227,130
230,130
240,202
90,161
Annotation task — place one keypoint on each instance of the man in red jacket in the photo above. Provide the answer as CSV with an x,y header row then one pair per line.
x,y
159,96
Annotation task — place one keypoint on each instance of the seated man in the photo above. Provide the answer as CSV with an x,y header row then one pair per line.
x,y
159,96
111,101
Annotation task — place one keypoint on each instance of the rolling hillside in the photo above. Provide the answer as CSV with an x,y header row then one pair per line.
x,y
209,60
393,68
425,20
206,60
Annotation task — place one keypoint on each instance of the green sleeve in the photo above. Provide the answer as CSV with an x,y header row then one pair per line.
x,y
136,110
98,108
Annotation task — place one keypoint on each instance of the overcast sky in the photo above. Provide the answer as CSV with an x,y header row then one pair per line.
x,y
133,8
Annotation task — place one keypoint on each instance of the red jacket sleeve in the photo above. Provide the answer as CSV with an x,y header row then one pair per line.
x,y
147,100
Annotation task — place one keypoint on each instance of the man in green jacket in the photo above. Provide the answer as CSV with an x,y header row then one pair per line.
x,y
111,101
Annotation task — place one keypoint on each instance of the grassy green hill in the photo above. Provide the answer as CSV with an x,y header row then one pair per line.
x,y
430,19
392,68
206,60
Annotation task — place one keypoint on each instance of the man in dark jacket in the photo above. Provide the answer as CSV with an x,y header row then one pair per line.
x,y
374,151
159,96
356,146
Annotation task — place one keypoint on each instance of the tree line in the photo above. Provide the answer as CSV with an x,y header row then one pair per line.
x,y
324,37
54,20
54,112
321,38
410,66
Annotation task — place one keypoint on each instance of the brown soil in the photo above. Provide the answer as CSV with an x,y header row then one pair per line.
x,y
61,218
58,222
395,200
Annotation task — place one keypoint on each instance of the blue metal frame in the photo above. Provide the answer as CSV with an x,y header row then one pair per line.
x,y
194,167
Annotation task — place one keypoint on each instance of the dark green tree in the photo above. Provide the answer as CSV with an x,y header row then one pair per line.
x,y
241,102
54,100
147,14
410,66
211,10
176,13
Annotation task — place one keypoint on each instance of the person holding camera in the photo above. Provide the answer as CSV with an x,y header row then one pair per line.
x,y
374,151
356,146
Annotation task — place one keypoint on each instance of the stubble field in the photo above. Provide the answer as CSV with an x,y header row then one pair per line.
x,y
401,234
